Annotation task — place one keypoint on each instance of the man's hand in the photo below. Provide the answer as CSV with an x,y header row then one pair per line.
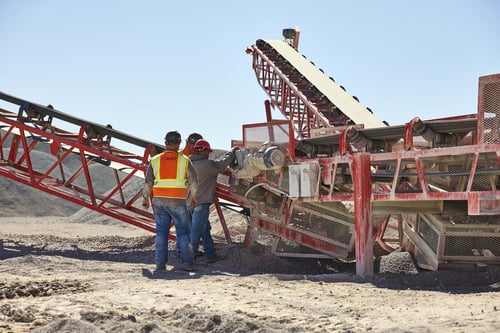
x,y
193,202
234,163
145,203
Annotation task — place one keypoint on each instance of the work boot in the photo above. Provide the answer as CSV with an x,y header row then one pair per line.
x,y
187,268
159,269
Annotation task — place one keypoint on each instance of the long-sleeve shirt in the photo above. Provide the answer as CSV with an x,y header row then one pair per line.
x,y
202,176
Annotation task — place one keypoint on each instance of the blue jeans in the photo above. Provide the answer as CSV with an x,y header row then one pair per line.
x,y
163,216
200,229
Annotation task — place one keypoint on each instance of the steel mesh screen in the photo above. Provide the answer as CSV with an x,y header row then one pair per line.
x,y
278,133
472,246
491,111
428,234
455,181
482,182
322,226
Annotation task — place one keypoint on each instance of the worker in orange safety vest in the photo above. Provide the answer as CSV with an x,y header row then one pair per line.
x,y
190,141
166,182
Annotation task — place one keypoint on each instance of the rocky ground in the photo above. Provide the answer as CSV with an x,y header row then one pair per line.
x,y
58,275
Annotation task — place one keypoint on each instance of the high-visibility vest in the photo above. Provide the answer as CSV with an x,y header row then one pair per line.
x,y
169,169
186,152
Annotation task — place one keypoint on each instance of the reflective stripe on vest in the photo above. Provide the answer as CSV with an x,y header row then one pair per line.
x,y
169,169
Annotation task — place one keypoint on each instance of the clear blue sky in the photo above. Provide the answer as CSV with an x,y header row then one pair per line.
x,y
147,67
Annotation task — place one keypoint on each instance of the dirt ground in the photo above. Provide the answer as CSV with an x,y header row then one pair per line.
x,y
66,269
64,274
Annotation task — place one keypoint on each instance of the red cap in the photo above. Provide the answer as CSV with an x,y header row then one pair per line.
x,y
202,145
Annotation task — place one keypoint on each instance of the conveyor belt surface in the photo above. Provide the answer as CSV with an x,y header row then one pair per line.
x,y
344,102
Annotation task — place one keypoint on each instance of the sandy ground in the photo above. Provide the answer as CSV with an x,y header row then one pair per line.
x,y
61,275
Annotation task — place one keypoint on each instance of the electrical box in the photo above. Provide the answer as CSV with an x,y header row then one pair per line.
x,y
303,179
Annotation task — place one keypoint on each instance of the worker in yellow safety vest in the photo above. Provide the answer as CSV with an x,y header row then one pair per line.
x,y
166,183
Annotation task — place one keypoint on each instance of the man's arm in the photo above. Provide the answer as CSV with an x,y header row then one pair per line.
x,y
148,187
192,185
226,160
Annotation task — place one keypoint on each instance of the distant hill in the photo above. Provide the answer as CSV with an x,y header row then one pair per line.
x,y
21,200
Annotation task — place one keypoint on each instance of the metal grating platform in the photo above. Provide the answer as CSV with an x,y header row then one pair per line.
x,y
436,241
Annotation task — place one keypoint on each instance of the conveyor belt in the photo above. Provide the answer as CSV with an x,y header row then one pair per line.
x,y
102,129
398,132
342,100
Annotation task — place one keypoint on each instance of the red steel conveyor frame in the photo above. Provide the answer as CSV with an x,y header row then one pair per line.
x,y
32,128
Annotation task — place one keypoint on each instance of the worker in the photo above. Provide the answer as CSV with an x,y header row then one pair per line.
x,y
188,150
190,141
166,180
202,181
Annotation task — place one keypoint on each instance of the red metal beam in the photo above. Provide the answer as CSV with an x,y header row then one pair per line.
x,y
362,215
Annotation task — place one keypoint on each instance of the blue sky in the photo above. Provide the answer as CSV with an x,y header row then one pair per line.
x,y
148,67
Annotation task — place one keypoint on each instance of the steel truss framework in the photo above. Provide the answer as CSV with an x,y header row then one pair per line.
x,y
291,102
77,161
